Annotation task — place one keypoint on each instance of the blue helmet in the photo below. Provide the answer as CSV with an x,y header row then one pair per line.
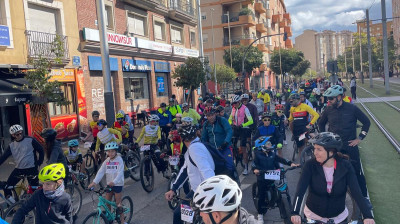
x,y
261,141
73,143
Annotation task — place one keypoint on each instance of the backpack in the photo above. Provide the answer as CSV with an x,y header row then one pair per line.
x,y
222,166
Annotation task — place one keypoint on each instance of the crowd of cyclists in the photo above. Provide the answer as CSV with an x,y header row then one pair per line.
x,y
209,140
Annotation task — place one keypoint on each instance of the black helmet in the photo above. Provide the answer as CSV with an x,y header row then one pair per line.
x,y
187,132
163,105
220,108
95,113
49,134
266,114
294,96
102,122
328,140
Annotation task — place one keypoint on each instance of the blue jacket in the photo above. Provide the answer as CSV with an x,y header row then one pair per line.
x,y
272,131
165,117
267,161
217,133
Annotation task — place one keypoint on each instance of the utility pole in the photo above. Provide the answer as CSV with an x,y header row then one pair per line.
x,y
229,37
345,63
352,55
215,67
371,84
280,56
361,60
385,47
201,49
105,60
323,63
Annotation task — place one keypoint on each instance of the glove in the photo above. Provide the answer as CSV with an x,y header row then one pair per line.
x,y
224,145
136,145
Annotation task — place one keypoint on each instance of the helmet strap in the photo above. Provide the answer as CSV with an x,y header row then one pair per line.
x,y
328,157
223,220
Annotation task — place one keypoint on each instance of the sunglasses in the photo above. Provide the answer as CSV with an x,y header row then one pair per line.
x,y
119,118
267,119
279,111
331,98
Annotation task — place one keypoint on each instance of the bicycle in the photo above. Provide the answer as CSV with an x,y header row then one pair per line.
x,y
104,214
174,164
8,216
131,160
190,214
90,162
276,192
76,197
79,178
305,136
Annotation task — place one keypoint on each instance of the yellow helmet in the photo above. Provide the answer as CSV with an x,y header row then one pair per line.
x,y
119,115
52,172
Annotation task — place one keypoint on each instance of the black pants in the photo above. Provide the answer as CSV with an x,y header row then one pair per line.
x,y
354,155
353,92
13,179
263,187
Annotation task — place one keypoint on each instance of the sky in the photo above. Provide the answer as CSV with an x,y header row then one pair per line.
x,y
334,15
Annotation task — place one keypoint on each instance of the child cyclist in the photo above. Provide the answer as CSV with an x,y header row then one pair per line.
x,y
106,135
279,120
74,155
51,204
265,158
113,168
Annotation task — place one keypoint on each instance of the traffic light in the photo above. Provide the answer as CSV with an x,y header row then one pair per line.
x,y
285,37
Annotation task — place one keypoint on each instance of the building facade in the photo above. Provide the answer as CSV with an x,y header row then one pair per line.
x,y
376,29
239,22
305,42
396,23
147,40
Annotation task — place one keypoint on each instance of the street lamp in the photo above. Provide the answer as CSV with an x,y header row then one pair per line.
x,y
229,37
215,67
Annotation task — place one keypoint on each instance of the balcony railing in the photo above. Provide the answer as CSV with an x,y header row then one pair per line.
x,y
236,40
183,7
45,45
234,17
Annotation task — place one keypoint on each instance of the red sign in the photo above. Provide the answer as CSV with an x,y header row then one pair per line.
x,y
80,89
66,126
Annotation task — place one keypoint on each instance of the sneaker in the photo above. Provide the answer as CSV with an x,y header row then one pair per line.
x,y
285,142
245,172
260,219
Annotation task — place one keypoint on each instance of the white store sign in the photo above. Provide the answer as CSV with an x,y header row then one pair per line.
x,y
93,35
185,52
151,45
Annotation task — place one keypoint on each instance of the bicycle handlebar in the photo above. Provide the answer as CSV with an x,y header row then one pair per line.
x,y
101,191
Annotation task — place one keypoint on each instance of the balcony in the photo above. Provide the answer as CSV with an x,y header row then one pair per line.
x,y
283,23
237,19
287,17
245,2
262,47
261,27
288,30
260,6
277,18
240,40
183,12
159,6
43,45
288,43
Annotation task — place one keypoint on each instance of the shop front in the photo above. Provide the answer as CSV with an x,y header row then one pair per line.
x,y
162,73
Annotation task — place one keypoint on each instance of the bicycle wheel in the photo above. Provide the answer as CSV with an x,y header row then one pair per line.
x,y
284,209
294,150
254,193
9,214
132,162
173,203
84,180
127,204
90,164
76,198
96,218
147,176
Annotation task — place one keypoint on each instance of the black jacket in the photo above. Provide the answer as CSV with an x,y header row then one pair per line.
x,y
343,121
270,161
254,114
321,202
47,211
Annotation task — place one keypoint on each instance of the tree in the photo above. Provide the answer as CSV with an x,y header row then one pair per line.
x,y
225,74
254,58
189,75
309,74
293,62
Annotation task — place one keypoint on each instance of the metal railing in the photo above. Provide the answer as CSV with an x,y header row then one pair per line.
x,y
236,40
45,45
182,6
234,17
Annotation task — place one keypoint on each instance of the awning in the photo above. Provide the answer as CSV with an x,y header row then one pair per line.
x,y
11,93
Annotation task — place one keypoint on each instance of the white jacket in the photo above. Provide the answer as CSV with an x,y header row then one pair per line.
x,y
114,171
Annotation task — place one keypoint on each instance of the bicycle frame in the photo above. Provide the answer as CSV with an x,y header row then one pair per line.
x,y
103,204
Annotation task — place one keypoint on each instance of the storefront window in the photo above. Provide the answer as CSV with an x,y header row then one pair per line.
x,y
162,84
69,94
136,86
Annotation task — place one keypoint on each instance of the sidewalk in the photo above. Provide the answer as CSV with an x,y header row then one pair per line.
x,y
377,100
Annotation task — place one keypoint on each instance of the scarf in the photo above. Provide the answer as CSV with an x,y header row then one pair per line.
x,y
54,195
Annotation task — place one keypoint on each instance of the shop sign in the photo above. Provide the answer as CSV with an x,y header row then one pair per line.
x,y
4,36
62,75
113,38
80,90
12,100
185,52
151,45
129,65
95,63
160,84
161,66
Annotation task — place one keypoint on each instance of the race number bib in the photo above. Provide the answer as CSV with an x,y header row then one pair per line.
x,y
145,148
112,167
273,175
303,136
173,160
187,213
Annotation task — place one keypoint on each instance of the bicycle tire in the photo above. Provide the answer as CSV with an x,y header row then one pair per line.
x,y
284,209
90,164
130,207
147,187
76,198
254,193
8,216
132,162
173,203
85,183
96,217
294,150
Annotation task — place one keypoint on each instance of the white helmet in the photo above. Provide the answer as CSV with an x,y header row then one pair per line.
x,y
187,119
154,117
185,105
236,98
15,128
111,145
245,96
218,194
317,91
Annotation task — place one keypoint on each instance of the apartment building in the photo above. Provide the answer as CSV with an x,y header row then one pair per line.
x,y
305,43
147,40
396,23
240,22
376,29
28,29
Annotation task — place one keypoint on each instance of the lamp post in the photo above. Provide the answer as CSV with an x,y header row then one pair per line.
x,y
215,67
229,37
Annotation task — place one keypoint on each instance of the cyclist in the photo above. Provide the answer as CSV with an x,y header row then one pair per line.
x,y
253,111
200,106
24,150
258,103
177,122
304,99
219,200
204,168
269,130
187,121
165,120
93,129
241,119
265,158
51,203
342,118
327,178
128,120
279,120
265,97
113,168
315,100
173,108
74,155
228,107
221,112
189,112
299,115
151,135
104,136
122,126
308,89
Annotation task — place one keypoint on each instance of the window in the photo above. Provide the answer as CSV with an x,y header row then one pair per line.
x,y
137,24
192,39
203,15
136,86
205,38
69,94
159,31
43,19
162,84
109,17
176,35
